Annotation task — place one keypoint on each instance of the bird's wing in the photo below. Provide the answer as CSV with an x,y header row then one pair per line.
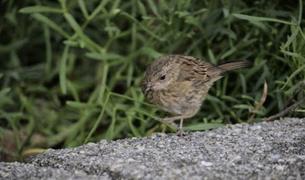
x,y
193,69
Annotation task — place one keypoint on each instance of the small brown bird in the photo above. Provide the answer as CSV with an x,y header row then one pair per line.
x,y
178,84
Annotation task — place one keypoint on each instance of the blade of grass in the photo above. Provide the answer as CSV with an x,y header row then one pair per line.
x,y
63,70
257,18
51,24
203,126
98,120
48,49
40,9
85,39
98,9
83,8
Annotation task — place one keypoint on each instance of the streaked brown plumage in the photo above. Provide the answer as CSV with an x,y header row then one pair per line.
x,y
178,84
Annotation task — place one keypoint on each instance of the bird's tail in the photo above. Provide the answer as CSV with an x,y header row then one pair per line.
x,y
216,71
234,65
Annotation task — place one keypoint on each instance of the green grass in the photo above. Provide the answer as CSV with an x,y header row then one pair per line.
x,y
70,70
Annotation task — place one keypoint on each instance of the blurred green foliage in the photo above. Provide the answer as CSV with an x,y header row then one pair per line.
x,y
70,69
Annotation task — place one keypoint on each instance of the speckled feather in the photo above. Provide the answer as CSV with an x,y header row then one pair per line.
x,y
178,84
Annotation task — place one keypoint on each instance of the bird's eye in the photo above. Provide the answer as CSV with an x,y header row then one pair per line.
x,y
162,77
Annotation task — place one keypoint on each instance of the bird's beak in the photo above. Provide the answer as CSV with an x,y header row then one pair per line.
x,y
146,87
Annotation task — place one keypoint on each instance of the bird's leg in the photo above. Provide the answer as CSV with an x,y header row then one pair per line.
x,y
180,131
174,118
181,123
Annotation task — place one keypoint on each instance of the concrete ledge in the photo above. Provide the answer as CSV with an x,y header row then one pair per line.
x,y
264,150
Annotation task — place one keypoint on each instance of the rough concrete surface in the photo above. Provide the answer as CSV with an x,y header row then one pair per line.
x,y
273,150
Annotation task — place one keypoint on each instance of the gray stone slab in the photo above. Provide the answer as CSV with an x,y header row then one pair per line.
x,y
273,150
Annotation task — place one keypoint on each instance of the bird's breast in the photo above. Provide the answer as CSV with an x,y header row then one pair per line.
x,y
177,99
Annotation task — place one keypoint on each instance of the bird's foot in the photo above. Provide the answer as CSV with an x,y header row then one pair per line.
x,y
180,132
